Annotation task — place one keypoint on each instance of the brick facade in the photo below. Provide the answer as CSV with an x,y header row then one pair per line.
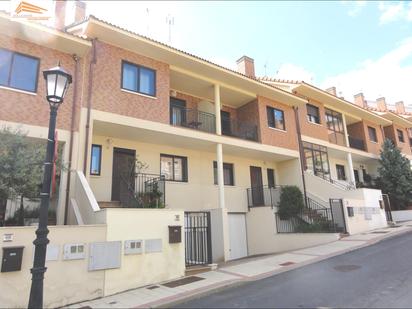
x,y
391,133
310,129
33,109
107,93
288,138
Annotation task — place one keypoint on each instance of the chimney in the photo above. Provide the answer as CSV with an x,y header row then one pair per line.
x,y
246,66
68,12
331,90
79,11
381,104
360,100
60,14
400,107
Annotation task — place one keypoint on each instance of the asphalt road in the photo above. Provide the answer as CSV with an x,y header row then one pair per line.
x,y
378,276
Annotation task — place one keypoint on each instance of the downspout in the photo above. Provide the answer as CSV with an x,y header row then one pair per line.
x,y
89,104
302,167
72,129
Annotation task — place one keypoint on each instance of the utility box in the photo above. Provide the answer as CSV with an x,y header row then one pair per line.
x,y
12,257
351,212
175,234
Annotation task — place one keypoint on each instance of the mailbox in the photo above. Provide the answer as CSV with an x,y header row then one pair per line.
x,y
175,234
12,257
351,212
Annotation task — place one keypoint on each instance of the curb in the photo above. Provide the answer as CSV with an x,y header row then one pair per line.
x,y
235,283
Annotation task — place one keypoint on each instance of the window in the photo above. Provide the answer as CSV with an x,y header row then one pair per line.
x,y
18,71
173,167
400,135
340,172
228,178
276,118
271,178
313,113
334,121
138,79
372,134
96,160
316,159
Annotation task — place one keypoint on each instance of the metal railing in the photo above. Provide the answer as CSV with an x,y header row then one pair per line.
x,y
313,218
263,196
147,191
192,118
240,129
356,143
341,184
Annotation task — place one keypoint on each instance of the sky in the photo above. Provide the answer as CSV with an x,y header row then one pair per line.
x,y
356,46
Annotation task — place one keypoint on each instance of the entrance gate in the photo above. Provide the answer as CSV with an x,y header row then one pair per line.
x,y
198,246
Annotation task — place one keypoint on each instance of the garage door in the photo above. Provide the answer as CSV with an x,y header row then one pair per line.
x,y
237,236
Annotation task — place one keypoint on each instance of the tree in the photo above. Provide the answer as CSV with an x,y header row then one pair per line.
x,y
395,175
20,167
291,202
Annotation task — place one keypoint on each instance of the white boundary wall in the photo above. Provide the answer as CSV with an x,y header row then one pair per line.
x,y
70,281
262,237
402,215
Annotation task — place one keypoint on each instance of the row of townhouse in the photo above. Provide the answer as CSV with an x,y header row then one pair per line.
x,y
210,141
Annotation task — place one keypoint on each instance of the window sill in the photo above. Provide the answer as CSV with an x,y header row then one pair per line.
x,y
18,90
279,130
177,181
373,142
139,94
315,123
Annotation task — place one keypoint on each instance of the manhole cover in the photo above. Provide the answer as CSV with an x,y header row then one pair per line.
x,y
183,281
346,268
287,263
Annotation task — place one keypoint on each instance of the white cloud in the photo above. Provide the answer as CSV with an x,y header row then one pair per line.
x,y
386,76
394,12
293,72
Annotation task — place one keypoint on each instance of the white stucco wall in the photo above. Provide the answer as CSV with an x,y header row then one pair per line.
x,y
401,215
66,281
262,237
70,281
200,192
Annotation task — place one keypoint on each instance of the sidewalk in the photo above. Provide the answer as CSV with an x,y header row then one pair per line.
x,y
238,272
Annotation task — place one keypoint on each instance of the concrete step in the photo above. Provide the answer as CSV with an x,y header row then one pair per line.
x,y
198,269
111,204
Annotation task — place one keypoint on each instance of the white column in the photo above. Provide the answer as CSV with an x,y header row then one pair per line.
x,y
349,155
217,110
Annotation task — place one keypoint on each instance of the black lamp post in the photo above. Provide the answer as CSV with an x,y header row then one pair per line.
x,y
57,83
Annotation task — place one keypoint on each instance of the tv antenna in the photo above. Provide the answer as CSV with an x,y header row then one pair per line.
x,y
170,21
148,22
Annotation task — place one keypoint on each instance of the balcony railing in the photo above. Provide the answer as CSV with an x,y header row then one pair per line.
x,y
144,191
240,129
263,196
356,143
192,118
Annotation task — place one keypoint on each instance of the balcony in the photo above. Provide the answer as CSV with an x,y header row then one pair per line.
x,y
193,119
356,143
239,129
142,191
263,196
206,122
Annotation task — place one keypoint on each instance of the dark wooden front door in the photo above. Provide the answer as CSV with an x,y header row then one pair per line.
x,y
123,171
257,186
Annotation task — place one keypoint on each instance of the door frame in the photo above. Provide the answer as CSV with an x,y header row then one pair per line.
x,y
257,190
131,152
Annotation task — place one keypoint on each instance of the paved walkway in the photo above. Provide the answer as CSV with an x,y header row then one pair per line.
x,y
239,271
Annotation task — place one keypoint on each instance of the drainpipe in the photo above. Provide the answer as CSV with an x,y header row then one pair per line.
x,y
301,154
89,103
72,128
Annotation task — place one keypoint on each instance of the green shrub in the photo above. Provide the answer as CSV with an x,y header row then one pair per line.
x,y
291,202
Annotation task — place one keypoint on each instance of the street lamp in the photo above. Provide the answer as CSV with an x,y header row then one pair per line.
x,y
57,83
